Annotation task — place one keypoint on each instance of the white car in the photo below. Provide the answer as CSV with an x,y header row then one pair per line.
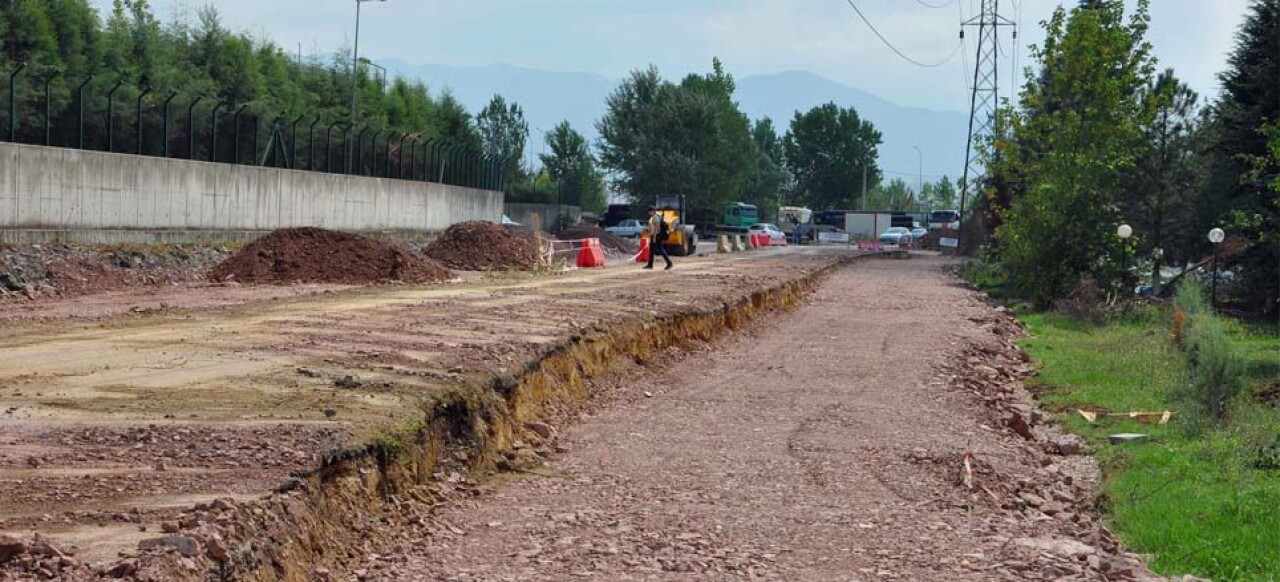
x,y
629,228
896,236
777,238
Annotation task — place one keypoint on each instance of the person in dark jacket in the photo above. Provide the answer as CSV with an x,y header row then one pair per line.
x,y
659,230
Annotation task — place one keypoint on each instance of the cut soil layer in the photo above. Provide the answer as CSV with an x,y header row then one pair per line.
x,y
316,255
482,246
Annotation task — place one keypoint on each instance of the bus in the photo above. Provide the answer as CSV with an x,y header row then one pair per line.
x,y
948,219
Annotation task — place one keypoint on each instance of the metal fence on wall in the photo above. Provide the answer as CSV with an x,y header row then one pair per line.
x,y
117,117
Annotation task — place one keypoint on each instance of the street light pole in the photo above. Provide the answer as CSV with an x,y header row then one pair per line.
x,y
1216,237
920,169
355,74
1124,232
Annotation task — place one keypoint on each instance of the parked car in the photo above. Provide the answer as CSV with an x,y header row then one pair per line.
x,y
897,235
917,234
776,236
629,228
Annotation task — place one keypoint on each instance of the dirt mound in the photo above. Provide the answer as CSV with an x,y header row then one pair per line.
x,y
316,255
482,246
607,239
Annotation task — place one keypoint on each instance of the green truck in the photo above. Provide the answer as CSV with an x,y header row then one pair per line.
x,y
738,217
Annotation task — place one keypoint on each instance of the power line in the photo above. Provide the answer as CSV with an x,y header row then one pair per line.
x,y
928,5
894,48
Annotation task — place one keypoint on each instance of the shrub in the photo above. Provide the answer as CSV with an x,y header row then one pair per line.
x,y
1086,302
1216,369
1190,300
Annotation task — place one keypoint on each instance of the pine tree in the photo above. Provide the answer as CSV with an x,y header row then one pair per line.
x,y
1250,100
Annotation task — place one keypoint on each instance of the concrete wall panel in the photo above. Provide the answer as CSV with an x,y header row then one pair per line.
x,y
57,190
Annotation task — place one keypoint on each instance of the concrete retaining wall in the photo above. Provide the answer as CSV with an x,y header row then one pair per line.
x,y
56,194
548,213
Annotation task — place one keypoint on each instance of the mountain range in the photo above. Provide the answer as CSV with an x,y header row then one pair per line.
x,y
549,97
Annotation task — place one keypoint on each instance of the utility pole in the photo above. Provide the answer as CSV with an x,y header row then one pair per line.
x,y
986,93
864,187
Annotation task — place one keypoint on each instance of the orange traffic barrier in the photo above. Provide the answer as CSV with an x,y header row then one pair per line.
x,y
591,254
754,240
643,255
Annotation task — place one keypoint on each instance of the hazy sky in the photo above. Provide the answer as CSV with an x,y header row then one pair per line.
x,y
612,37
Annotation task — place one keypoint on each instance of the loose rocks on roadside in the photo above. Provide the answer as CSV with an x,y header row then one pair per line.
x,y
482,246
316,255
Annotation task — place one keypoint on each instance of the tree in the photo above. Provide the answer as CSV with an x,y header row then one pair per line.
x,y
29,33
1250,100
827,150
1159,197
771,178
659,138
943,195
572,168
504,133
1084,117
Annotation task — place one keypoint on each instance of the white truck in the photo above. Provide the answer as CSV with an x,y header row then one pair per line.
x,y
790,217
867,225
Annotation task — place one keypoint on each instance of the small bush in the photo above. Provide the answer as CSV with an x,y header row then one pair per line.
x,y
1216,369
1190,300
1086,302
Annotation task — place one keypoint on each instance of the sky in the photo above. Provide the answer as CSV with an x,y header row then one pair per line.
x,y
613,37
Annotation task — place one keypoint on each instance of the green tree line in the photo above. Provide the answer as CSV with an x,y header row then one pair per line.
x,y
662,138
196,57
1102,137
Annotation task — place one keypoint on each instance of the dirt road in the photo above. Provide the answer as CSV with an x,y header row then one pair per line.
x,y
825,445
115,421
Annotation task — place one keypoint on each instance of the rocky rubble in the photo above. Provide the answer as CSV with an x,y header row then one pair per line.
x,y
32,272
1052,530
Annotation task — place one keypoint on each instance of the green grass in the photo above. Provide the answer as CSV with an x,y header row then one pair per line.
x,y
1192,500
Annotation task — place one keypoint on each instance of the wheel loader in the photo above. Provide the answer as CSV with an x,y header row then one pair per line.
x,y
682,240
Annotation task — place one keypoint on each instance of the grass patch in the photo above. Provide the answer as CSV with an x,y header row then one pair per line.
x,y
1199,502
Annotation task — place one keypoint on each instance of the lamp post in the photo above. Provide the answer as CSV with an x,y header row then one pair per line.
x,y
920,169
1216,237
381,69
355,72
1125,231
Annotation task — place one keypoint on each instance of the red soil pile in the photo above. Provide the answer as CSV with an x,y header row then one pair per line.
x,y
482,246
316,255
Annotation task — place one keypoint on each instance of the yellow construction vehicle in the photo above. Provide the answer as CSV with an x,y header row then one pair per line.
x,y
682,240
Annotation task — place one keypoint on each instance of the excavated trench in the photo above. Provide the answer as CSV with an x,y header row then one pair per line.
x,y
320,519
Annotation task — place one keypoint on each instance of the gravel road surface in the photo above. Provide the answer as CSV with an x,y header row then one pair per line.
x,y
824,444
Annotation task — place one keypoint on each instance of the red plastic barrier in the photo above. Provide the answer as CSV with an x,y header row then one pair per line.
x,y
591,254
643,255
753,240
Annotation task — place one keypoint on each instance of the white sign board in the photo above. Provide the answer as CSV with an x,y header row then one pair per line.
x,y
949,242
834,237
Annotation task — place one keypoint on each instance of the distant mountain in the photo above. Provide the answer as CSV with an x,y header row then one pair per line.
x,y
550,97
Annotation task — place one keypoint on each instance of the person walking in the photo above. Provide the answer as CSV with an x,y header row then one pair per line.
x,y
659,230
